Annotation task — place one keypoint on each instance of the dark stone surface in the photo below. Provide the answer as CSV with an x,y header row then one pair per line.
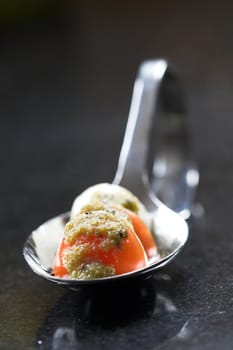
x,y
64,95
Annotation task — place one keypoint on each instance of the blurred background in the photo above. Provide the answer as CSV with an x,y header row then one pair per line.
x,y
67,70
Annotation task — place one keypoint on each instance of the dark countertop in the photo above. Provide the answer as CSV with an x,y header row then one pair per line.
x,y
65,90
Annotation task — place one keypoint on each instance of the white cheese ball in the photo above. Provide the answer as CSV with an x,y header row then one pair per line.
x,y
110,194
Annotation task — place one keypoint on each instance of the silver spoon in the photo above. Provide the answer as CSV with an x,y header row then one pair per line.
x,y
155,94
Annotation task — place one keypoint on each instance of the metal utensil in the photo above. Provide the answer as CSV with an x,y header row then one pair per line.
x,y
155,94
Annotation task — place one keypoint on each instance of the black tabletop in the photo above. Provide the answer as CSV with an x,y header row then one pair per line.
x,y
65,88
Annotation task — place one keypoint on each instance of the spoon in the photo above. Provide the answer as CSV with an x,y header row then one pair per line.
x,y
140,171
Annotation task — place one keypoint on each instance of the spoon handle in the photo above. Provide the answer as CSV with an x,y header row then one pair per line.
x,y
155,158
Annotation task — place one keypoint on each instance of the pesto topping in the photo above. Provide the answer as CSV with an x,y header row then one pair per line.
x,y
74,256
74,260
106,228
109,224
92,271
101,200
131,205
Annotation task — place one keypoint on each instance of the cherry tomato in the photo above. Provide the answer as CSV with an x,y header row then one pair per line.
x,y
129,256
59,269
143,234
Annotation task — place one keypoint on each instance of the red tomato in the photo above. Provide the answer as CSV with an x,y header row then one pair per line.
x,y
131,256
128,257
58,268
143,234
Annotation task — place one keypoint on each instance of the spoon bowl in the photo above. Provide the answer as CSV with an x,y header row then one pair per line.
x,y
41,246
